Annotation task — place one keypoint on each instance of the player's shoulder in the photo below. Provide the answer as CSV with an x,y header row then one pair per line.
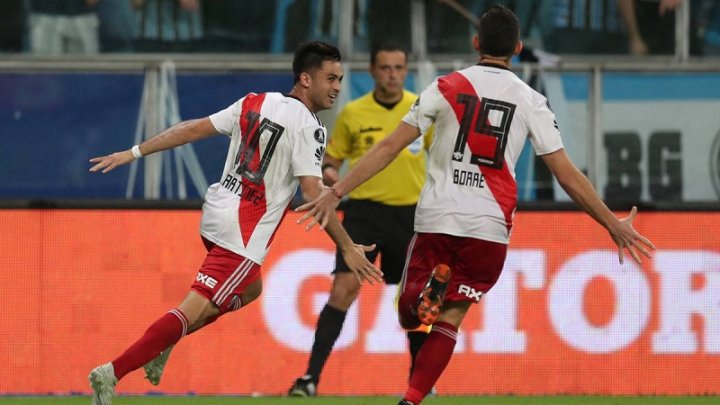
x,y
296,111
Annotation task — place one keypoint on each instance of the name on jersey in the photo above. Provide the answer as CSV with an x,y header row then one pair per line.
x,y
247,193
470,179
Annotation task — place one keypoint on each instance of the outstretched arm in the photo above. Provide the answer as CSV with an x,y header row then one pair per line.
x,y
323,207
353,254
582,192
179,134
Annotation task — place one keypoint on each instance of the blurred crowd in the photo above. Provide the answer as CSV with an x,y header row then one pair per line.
x,y
276,26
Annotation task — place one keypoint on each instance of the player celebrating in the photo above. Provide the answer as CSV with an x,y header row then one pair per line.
x,y
483,115
276,144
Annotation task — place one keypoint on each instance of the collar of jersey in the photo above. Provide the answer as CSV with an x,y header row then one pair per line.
x,y
493,65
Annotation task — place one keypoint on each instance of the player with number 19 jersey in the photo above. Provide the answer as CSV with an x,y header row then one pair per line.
x,y
483,115
274,139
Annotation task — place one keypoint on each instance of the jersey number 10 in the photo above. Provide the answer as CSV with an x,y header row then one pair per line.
x,y
249,147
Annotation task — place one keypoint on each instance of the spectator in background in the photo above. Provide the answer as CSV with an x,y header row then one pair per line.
x,y
168,25
237,26
711,27
582,27
68,26
12,27
117,25
656,26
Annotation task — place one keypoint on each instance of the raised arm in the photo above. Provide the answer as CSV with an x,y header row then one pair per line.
x,y
322,208
582,192
353,254
179,134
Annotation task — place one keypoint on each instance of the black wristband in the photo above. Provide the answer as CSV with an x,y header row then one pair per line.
x,y
325,166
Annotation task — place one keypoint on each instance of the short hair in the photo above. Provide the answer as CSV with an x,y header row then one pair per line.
x,y
387,47
498,31
310,56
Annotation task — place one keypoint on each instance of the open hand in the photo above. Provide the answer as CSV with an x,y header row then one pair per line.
x,y
626,237
360,266
109,162
319,209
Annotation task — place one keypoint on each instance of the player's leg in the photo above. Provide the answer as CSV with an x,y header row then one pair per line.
x,y
436,351
477,265
345,289
398,223
222,278
250,294
229,281
161,334
154,368
425,253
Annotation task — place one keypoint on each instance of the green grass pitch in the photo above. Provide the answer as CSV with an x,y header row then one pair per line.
x,y
438,400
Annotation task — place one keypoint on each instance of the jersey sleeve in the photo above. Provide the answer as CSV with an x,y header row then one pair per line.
x,y
226,119
544,130
340,144
422,114
308,151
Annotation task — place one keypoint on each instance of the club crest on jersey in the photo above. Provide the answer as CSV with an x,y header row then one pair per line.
x,y
319,135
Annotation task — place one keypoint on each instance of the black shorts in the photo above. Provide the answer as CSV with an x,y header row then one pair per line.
x,y
390,227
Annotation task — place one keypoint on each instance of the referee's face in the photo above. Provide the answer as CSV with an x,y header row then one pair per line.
x,y
325,85
389,72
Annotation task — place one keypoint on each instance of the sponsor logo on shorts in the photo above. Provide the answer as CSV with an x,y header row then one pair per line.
x,y
470,292
207,280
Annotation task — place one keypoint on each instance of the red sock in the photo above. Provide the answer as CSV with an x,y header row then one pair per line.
x,y
432,359
164,332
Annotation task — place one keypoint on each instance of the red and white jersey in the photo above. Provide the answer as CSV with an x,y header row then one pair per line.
x,y
482,115
274,139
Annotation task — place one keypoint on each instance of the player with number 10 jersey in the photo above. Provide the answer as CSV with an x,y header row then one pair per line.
x,y
242,212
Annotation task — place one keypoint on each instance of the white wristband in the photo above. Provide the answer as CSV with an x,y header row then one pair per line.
x,y
136,152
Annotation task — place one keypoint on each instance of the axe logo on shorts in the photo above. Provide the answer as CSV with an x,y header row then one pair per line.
x,y
207,280
470,292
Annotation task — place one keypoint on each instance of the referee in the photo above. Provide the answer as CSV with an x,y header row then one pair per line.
x,y
382,210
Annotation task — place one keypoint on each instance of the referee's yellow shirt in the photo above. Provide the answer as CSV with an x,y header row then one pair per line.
x,y
363,123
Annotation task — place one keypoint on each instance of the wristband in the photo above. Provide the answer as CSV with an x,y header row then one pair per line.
x,y
136,152
325,166
335,193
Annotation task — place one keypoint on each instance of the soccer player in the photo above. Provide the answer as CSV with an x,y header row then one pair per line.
x,y
380,211
483,115
276,144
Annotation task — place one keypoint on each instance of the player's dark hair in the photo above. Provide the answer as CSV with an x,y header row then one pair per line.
x,y
498,31
387,47
310,56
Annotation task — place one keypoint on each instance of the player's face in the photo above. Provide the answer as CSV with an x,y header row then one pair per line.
x,y
325,85
389,73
